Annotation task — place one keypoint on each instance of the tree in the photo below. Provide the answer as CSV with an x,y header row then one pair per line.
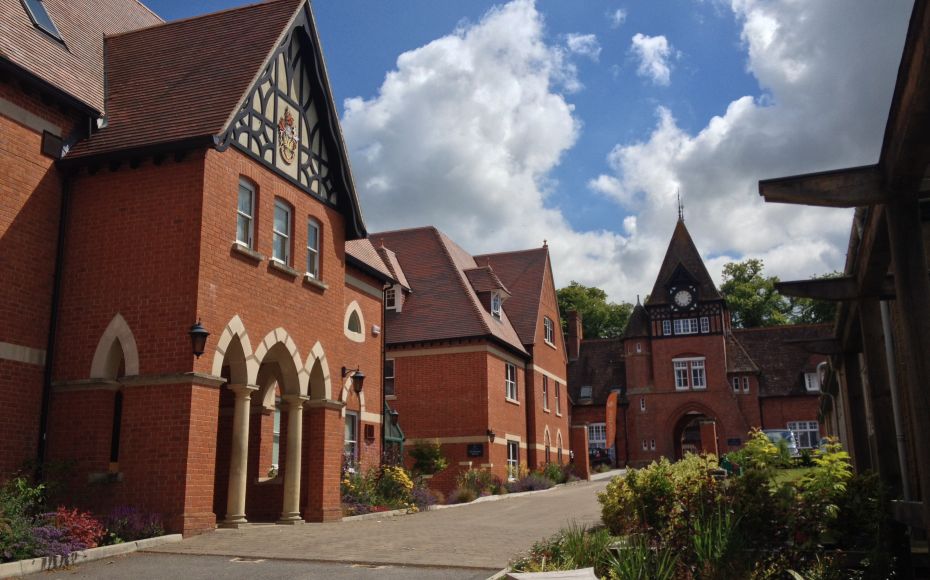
x,y
599,318
754,301
751,297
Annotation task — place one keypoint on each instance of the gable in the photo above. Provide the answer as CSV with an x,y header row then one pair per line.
x,y
288,122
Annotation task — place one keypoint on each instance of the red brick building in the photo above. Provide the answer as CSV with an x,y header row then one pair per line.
x,y
160,174
473,356
685,380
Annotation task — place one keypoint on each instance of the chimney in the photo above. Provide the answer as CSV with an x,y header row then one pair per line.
x,y
575,335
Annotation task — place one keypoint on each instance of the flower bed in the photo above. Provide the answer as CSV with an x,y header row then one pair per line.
x,y
29,530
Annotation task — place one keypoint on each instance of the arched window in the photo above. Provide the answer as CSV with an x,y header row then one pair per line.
x,y
548,450
558,442
354,323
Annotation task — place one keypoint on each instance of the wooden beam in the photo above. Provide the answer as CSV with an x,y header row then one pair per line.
x,y
834,289
827,346
851,187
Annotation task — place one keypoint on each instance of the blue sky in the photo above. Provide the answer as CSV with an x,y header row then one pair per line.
x,y
506,123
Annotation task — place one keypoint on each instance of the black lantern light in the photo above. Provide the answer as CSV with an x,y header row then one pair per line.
x,y
198,336
491,436
358,378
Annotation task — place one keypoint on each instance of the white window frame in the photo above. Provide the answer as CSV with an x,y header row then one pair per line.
x,y
389,376
687,371
597,436
645,445
806,433
745,385
652,444
249,242
681,375
276,434
545,389
549,331
698,375
666,328
390,298
812,382
639,347
736,384
496,305
350,440
513,459
685,326
510,382
642,404
313,248
705,325
276,234
558,398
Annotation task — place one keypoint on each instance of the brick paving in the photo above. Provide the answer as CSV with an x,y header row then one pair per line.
x,y
484,535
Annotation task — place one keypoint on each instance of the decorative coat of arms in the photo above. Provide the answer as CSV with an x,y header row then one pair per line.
x,y
287,136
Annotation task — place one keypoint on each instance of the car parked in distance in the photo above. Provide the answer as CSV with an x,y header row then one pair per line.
x,y
598,456
776,435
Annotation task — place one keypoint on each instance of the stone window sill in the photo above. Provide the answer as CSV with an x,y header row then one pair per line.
x,y
554,347
247,252
512,401
546,410
105,477
315,283
390,397
276,480
283,268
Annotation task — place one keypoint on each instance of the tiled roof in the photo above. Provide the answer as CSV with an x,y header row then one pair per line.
x,y
600,365
782,364
638,324
682,252
364,252
390,258
483,279
76,67
738,360
442,305
524,273
184,79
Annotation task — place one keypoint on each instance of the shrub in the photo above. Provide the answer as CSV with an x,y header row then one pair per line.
x,y
80,528
20,503
554,473
462,495
759,452
480,481
638,560
530,482
424,497
428,458
128,524
571,548
394,485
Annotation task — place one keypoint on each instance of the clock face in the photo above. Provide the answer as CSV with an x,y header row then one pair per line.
x,y
683,298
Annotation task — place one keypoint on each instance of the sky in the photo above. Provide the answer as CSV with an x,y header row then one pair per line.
x,y
505,124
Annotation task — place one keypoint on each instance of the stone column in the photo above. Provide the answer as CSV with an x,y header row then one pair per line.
x,y
295,407
239,457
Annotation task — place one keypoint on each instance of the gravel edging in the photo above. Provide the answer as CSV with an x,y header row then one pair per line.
x,y
24,567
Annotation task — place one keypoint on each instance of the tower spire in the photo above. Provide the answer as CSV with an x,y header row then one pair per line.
x,y
681,208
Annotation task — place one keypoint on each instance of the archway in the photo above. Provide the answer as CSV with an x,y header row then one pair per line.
x,y
687,434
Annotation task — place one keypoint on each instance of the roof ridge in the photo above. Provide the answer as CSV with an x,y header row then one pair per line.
x,y
191,18
460,277
150,11
541,248
782,326
403,230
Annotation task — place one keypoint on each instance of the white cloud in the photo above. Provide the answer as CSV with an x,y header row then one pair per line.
x,y
463,135
827,71
583,44
653,54
617,17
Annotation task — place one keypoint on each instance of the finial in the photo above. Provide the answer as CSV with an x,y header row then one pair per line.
x,y
545,243
681,209
637,299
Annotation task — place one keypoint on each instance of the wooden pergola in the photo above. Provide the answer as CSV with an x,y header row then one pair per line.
x,y
887,262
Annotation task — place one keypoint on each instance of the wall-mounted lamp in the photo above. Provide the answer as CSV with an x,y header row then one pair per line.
x,y
198,336
358,378
491,436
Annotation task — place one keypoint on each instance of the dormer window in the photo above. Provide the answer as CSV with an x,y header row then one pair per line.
x,y
40,17
496,305
390,298
811,382
586,392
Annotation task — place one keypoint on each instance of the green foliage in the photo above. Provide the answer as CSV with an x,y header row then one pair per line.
x,y
480,481
462,495
759,452
819,493
599,318
715,542
555,473
574,547
638,560
810,311
378,489
20,503
751,297
428,458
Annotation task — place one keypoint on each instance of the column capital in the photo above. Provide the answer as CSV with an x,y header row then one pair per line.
x,y
295,400
326,404
242,390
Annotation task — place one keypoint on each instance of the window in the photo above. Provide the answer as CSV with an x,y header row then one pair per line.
x,y
550,333
389,376
546,393
276,434
558,398
355,324
115,426
698,378
351,439
652,444
41,18
705,324
510,381
548,451
245,214
745,384
390,298
496,305
586,392
806,433
686,326
812,381
735,384
597,436
666,328
639,347
313,248
645,445
690,372
558,449
513,460
281,237
642,403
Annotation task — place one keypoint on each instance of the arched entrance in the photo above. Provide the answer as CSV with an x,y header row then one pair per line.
x,y
687,434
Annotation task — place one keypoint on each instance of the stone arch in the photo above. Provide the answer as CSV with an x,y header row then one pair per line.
x,y
234,349
354,315
117,344
278,347
679,419
316,369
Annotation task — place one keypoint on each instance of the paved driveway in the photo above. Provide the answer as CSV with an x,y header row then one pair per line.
x,y
482,536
